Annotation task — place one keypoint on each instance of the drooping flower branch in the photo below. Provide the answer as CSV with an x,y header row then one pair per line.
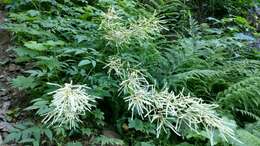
x,y
167,109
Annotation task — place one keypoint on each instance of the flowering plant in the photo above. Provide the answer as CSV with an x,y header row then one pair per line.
x,y
68,103
169,110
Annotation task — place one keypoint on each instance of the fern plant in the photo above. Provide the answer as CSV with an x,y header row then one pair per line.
x,y
242,97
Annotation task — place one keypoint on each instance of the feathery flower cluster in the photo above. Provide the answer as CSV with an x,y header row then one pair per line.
x,y
69,102
120,33
116,65
168,110
139,102
134,81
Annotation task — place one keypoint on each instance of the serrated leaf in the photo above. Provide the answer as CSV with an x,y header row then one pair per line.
x,y
52,43
84,62
81,38
144,144
74,144
51,62
35,46
12,137
21,126
33,13
136,124
22,82
86,131
184,144
27,140
94,63
48,133
36,132
36,143
104,140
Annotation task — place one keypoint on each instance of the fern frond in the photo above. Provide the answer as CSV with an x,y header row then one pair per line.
x,y
242,95
197,82
247,114
196,74
241,68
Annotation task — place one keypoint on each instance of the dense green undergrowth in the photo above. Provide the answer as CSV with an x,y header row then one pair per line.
x,y
118,51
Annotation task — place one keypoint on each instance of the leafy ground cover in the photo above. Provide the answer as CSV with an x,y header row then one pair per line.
x,y
120,72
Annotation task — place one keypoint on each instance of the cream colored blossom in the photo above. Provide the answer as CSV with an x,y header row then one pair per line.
x,y
193,112
139,101
115,64
134,80
120,32
68,103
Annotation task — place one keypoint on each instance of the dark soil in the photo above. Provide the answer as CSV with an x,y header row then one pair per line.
x,y
8,70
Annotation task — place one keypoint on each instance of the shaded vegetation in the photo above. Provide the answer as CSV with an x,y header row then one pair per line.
x,y
193,48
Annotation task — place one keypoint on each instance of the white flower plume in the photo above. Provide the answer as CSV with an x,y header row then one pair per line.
x,y
139,101
120,32
115,64
169,110
69,102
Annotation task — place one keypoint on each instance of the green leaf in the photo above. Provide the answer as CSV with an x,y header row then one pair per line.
x,y
99,117
52,43
27,140
104,140
25,53
94,63
35,46
21,126
15,136
86,131
184,144
22,82
52,63
36,143
48,133
136,124
33,13
36,131
74,144
246,138
242,36
84,62
81,38
144,144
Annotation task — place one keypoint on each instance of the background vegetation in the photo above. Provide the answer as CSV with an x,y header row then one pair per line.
x,y
208,49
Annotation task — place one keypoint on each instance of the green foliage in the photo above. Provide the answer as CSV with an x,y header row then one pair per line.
x,y
39,104
169,41
74,144
243,97
22,82
254,128
139,125
246,138
204,8
104,140
28,133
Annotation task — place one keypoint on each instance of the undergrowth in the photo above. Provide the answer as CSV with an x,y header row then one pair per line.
x,y
151,71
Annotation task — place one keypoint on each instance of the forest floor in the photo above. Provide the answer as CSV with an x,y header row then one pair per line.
x,y
8,70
